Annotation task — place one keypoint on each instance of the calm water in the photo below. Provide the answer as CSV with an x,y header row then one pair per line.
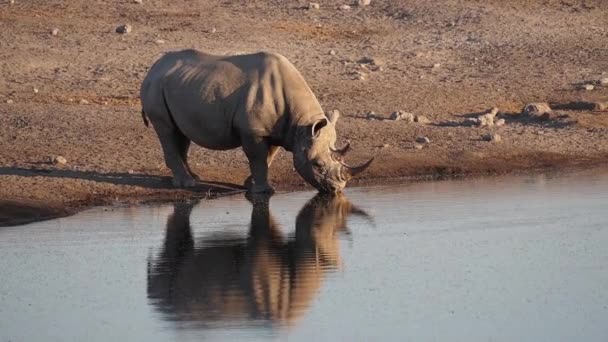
x,y
509,259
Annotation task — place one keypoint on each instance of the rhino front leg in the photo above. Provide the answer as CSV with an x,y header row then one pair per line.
x,y
175,149
259,154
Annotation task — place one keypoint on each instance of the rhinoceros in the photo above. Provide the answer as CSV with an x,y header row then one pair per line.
x,y
258,101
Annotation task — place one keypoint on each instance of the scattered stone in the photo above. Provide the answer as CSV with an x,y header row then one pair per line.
x,y
371,115
385,145
83,102
332,52
371,60
418,146
436,65
138,2
124,29
9,101
364,2
402,116
35,90
423,140
344,7
536,109
313,5
12,2
500,122
421,119
159,41
600,105
70,99
603,82
213,30
130,172
54,31
487,119
587,87
493,137
60,160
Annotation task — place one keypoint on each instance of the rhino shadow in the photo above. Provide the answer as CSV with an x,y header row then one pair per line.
x,y
263,278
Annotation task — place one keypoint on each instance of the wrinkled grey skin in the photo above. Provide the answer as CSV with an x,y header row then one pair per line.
x,y
257,101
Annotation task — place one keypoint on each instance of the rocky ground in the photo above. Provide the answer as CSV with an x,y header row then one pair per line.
x,y
69,87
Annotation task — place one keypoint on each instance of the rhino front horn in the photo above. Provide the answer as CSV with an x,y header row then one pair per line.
x,y
352,171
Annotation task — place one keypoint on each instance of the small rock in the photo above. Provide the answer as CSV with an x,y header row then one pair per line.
x,y
436,65
385,145
600,105
423,140
138,2
54,31
213,30
12,2
60,160
536,109
603,82
371,115
402,116
494,137
83,102
371,60
587,87
486,120
344,7
124,29
313,5
471,122
364,2
500,122
418,146
159,41
9,101
421,119
35,90
131,172
332,52
70,99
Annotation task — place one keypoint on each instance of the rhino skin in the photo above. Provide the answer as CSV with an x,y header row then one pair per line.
x,y
258,101
261,276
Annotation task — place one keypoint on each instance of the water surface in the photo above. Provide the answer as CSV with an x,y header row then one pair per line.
x,y
501,259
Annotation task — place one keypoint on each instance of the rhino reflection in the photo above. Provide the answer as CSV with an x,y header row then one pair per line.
x,y
262,277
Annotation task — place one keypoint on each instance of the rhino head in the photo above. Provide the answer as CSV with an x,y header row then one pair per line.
x,y
317,159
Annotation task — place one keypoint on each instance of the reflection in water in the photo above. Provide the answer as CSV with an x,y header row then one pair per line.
x,y
263,278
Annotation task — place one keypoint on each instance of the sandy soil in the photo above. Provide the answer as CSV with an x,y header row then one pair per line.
x,y
75,94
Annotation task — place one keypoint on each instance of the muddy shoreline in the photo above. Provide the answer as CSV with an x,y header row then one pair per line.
x,y
14,212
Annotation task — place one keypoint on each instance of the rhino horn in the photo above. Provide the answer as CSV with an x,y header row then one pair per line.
x,y
339,153
351,171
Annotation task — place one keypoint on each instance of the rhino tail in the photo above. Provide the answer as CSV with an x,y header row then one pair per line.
x,y
145,118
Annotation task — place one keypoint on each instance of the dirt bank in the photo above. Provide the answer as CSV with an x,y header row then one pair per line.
x,y
74,94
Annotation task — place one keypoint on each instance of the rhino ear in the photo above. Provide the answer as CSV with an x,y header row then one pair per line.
x,y
316,127
333,116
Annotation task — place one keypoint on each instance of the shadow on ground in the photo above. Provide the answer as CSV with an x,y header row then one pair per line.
x,y
118,178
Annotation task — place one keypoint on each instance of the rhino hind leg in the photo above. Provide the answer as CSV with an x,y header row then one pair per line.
x,y
184,146
175,149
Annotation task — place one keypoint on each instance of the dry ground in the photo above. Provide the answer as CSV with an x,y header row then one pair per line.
x,y
491,53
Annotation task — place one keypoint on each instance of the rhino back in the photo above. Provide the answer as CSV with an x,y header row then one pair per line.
x,y
214,100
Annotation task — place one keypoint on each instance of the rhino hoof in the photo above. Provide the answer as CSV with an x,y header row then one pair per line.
x,y
184,183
